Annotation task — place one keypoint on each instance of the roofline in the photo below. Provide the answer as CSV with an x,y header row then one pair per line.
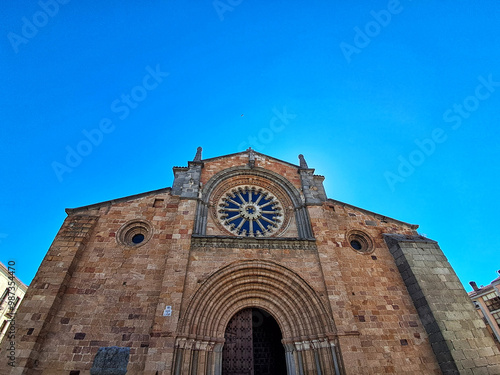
x,y
4,270
484,289
71,211
412,226
255,152
481,291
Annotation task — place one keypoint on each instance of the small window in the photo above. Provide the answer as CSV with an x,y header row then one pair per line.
x,y
360,241
11,310
138,238
2,327
4,296
135,233
493,304
356,245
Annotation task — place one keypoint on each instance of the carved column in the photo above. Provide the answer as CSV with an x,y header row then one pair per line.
x,y
317,357
290,360
197,357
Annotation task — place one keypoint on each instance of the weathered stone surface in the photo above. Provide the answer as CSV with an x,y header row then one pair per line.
x,y
457,334
360,312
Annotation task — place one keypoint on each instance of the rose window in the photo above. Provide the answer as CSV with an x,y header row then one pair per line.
x,y
250,211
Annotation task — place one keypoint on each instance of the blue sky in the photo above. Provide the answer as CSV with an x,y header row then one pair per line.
x,y
396,103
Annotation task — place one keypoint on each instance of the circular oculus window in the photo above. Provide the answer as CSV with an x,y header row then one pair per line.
x,y
356,245
360,241
250,211
138,238
134,233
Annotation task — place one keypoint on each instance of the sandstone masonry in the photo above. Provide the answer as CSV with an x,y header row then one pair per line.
x,y
153,280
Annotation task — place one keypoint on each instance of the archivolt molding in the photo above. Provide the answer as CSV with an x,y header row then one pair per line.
x,y
270,180
262,284
283,183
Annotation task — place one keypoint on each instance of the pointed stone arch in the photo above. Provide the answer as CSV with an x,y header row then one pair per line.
x,y
309,333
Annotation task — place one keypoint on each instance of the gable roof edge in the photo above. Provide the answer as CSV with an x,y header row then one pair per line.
x,y
255,152
71,211
376,215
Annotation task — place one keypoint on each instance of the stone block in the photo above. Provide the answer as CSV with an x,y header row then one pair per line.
x,y
455,330
111,361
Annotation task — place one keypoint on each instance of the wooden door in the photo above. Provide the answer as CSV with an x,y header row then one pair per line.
x,y
237,354
253,345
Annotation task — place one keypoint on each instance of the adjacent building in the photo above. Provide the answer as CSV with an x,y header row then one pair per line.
x,y
12,292
245,266
487,302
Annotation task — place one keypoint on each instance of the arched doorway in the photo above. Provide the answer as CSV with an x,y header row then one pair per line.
x,y
309,334
253,345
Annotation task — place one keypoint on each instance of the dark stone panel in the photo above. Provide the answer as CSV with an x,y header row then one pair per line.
x,y
111,360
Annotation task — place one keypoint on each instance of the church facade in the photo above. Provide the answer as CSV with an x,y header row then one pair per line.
x,y
245,266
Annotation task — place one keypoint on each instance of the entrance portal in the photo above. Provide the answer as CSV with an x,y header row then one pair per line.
x,y
253,345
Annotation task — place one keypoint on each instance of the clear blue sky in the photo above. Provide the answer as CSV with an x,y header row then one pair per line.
x,y
395,102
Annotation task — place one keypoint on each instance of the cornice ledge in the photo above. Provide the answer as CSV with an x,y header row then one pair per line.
x,y
278,243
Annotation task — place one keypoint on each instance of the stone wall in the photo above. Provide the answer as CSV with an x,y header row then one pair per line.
x,y
378,326
41,304
92,291
458,336
392,307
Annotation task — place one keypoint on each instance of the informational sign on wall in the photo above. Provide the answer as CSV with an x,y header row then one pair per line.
x,y
168,311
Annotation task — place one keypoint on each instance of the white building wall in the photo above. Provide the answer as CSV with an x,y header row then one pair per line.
x,y
12,291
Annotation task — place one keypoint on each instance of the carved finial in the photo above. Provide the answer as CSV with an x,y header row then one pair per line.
x,y
198,154
303,163
251,158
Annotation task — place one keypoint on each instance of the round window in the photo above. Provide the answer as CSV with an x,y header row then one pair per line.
x,y
250,211
138,238
134,233
356,245
360,241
